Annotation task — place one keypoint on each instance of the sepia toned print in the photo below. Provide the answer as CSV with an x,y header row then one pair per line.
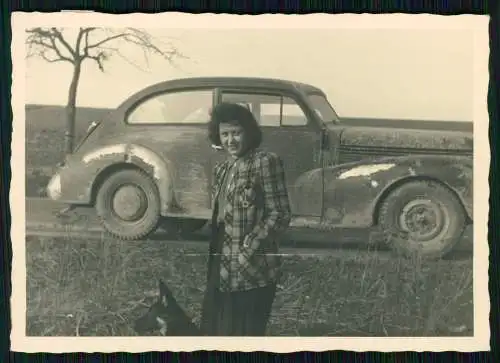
x,y
381,225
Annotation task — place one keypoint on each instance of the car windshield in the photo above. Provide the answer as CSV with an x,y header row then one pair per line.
x,y
323,108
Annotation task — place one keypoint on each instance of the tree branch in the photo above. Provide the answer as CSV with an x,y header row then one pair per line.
x,y
86,46
99,58
78,41
41,43
98,44
58,51
51,60
52,39
52,46
84,32
59,36
126,59
99,63
46,40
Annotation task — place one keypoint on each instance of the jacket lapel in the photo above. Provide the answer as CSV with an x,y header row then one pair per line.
x,y
221,174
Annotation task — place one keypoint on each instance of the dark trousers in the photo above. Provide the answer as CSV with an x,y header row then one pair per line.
x,y
239,313
243,313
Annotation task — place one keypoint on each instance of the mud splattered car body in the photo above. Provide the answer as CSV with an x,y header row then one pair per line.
x,y
338,175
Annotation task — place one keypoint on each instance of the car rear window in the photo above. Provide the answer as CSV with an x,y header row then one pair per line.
x,y
186,107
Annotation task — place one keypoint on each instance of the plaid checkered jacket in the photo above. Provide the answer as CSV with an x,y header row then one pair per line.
x,y
256,206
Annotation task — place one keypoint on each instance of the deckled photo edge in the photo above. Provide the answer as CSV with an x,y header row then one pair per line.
x,y
133,344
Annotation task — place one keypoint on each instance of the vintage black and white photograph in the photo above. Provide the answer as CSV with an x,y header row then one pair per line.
x,y
219,177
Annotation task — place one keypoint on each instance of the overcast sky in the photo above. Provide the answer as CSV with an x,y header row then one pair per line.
x,y
404,73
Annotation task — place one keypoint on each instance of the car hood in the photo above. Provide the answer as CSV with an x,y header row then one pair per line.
x,y
405,138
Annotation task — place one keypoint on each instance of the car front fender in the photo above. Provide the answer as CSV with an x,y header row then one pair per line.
x,y
353,192
82,176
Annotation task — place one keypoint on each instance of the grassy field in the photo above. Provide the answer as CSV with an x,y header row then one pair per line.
x,y
45,141
45,132
96,288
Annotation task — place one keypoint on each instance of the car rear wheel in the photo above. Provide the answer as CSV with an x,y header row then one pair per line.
x,y
128,205
422,217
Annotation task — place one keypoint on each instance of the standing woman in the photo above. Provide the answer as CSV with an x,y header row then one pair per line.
x,y
250,213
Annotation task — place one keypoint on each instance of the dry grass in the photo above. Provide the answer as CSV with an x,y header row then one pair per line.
x,y
97,288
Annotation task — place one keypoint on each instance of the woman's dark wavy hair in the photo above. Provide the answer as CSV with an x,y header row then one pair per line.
x,y
233,113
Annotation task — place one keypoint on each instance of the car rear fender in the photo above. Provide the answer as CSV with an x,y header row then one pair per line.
x,y
103,161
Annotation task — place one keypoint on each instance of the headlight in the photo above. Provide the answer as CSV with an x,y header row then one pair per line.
x,y
54,187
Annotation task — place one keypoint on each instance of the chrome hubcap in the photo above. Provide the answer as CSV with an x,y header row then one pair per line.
x,y
422,219
129,203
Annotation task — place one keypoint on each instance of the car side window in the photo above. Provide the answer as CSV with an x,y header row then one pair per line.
x,y
270,110
185,107
290,112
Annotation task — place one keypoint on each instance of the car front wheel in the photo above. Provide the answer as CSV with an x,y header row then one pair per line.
x,y
128,205
422,217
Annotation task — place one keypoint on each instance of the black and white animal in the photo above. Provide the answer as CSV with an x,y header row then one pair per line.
x,y
166,316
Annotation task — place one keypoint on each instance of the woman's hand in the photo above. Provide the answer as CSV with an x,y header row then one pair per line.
x,y
277,213
245,252
244,256
247,240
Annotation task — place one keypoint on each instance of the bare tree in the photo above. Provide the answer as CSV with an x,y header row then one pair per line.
x,y
93,44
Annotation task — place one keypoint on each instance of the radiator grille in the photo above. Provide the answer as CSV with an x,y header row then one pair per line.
x,y
356,153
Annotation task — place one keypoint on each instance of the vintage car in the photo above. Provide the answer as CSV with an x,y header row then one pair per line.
x,y
149,163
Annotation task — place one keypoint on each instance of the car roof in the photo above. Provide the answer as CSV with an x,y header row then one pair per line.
x,y
236,82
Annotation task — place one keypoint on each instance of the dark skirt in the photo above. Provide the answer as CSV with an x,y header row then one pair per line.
x,y
239,313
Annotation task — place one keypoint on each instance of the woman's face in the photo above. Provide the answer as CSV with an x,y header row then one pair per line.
x,y
232,137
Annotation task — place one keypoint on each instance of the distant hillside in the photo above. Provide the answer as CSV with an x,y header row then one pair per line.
x,y
44,117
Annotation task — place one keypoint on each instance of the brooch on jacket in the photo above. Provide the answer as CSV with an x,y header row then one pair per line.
x,y
247,195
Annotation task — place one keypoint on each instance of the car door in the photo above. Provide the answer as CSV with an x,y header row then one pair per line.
x,y
289,133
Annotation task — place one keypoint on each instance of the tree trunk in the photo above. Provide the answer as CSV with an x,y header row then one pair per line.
x,y
71,109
